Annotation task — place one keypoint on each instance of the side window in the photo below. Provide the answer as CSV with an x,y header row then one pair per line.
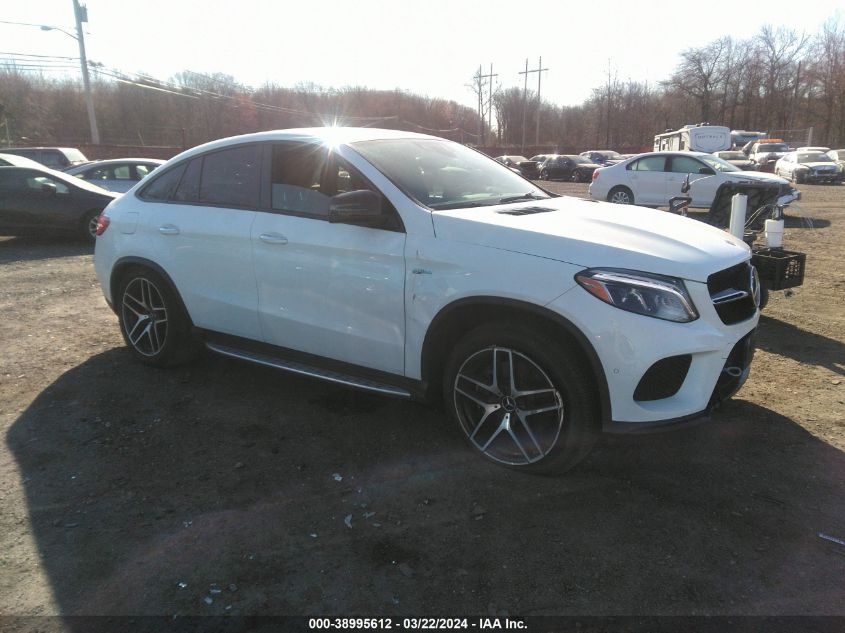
x,y
143,170
100,173
121,172
296,179
189,186
305,177
52,159
685,165
35,183
164,185
649,163
231,177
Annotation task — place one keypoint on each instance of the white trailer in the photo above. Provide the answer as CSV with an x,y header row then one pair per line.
x,y
695,138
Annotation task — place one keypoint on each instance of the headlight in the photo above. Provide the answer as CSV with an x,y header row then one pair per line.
x,y
641,293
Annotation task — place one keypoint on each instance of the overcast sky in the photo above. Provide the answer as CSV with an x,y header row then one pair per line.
x,y
428,47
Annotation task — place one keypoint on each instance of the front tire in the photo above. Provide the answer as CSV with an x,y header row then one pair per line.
x,y
620,195
152,321
576,177
544,174
521,399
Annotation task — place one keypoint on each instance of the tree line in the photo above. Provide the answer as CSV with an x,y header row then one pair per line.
x,y
777,80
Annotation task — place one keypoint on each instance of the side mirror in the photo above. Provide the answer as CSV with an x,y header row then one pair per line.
x,y
48,188
363,207
685,187
706,171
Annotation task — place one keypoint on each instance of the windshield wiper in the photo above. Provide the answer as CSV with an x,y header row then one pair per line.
x,y
456,205
522,196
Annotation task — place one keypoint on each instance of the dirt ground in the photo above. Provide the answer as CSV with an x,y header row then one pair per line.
x,y
224,488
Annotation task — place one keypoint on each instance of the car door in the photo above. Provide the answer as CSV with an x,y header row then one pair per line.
x,y
325,288
199,232
647,177
703,181
32,200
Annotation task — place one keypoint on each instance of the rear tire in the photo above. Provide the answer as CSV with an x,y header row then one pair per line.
x,y
152,320
620,195
522,399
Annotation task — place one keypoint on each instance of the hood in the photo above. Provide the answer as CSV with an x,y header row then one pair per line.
x,y
597,234
758,176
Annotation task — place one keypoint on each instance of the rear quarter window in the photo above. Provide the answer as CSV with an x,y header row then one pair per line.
x,y
163,186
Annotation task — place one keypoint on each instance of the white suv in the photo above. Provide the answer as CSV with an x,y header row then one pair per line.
x,y
413,266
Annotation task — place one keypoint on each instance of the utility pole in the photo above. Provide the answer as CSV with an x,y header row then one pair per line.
x,y
540,70
526,72
479,87
80,12
490,105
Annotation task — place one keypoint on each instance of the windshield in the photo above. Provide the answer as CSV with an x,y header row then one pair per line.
x,y
773,147
610,154
441,174
580,160
814,157
74,155
718,164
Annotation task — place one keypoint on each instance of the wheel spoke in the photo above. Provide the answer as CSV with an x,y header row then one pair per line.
x,y
140,320
519,445
127,298
502,426
154,339
477,401
532,392
522,419
491,389
554,407
141,334
488,411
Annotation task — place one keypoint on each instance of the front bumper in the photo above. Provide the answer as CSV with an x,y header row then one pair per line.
x,y
628,346
824,177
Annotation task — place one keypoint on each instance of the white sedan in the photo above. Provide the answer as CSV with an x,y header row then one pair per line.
x,y
117,174
653,178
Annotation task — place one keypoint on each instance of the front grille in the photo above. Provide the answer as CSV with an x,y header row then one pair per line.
x,y
663,379
732,294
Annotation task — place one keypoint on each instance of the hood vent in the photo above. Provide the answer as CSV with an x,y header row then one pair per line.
x,y
526,211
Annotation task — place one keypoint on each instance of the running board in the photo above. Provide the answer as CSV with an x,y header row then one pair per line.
x,y
308,370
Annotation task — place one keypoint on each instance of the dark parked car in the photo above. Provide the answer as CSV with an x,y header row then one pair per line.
x,y
603,157
561,166
527,168
53,157
38,201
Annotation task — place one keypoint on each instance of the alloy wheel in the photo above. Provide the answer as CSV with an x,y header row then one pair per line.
x,y
144,316
620,197
508,406
92,226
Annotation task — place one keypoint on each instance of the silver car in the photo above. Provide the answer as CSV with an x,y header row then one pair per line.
x,y
118,174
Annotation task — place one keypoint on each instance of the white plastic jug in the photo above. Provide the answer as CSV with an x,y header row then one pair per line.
x,y
774,233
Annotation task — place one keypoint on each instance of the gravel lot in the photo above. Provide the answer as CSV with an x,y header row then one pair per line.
x,y
130,490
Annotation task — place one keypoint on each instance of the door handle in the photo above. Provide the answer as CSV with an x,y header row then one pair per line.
x,y
273,238
168,229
